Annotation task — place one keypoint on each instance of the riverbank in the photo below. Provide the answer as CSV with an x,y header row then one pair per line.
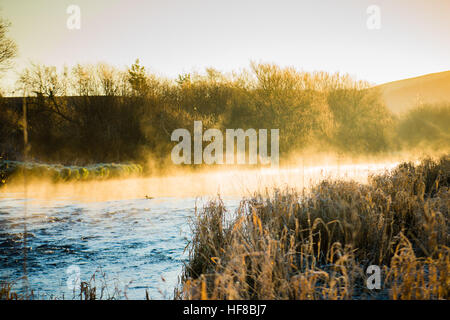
x,y
291,243
55,173
319,245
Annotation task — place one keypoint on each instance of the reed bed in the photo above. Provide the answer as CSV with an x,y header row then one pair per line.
x,y
318,244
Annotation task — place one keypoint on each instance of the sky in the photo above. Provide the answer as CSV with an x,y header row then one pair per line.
x,y
176,36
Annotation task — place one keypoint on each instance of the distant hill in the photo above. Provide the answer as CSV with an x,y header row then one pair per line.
x,y
402,95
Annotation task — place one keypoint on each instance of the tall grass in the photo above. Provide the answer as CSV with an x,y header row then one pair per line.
x,y
318,245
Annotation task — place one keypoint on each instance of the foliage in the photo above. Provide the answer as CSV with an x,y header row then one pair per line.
x,y
95,114
426,127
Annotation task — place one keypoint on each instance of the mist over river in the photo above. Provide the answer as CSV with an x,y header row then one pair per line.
x,y
111,229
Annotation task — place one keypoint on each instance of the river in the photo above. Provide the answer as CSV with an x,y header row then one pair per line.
x,y
130,234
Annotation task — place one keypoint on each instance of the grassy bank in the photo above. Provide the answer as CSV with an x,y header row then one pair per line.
x,y
12,170
318,245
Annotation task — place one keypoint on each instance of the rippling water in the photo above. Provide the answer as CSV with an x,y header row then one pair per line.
x,y
137,243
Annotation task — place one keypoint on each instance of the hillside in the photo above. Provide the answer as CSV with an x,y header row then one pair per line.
x,y
402,95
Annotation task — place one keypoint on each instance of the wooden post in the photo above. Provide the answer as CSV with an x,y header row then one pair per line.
x,y
25,185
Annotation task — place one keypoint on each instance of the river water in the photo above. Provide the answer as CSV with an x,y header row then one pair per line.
x,y
111,235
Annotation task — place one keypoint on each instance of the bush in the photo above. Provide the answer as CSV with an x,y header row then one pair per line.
x,y
15,169
426,127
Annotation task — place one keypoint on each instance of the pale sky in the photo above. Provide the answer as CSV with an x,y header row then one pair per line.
x,y
175,36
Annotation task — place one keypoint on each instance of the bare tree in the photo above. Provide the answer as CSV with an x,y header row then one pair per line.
x,y
8,48
47,84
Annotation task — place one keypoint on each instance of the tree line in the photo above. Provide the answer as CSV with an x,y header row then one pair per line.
x,y
99,113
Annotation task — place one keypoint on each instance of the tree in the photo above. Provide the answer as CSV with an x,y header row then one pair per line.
x,y
8,48
110,79
42,80
361,120
138,79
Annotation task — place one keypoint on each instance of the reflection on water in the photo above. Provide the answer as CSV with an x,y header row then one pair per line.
x,y
138,243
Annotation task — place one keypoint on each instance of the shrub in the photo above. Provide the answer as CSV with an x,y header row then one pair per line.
x,y
426,127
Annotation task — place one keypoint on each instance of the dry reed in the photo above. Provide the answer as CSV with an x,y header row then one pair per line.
x,y
283,245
